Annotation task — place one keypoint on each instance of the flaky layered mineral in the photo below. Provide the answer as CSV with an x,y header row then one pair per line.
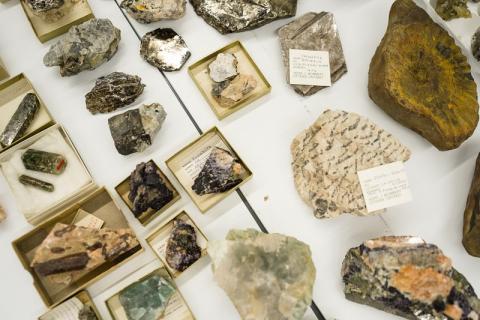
x,y
452,9
328,155
182,248
410,278
147,11
421,78
471,218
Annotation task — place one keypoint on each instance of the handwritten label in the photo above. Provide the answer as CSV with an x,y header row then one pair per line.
x,y
66,311
309,67
385,186
195,165
88,220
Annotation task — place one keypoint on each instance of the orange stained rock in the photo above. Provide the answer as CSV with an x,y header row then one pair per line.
x,y
453,311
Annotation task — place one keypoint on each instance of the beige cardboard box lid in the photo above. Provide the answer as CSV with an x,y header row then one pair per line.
x,y
3,72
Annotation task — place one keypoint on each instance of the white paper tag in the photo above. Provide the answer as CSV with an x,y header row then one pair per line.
x,y
89,220
308,67
385,186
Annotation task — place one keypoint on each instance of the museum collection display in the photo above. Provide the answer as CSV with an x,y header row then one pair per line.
x,y
147,11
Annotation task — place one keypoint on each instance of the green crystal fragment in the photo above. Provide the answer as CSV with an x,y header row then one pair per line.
x,y
43,161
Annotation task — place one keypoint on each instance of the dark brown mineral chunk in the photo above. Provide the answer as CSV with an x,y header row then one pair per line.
x,y
471,219
182,248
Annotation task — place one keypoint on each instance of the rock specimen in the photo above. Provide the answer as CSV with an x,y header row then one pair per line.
x,y
36,183
113,91
182,248
415,59
267,276
147,11
21,120
44,5
328,155
43,161
222,171
476,44
471,219
229,92
134,130
316,32
69,248
410,278
164,49
228,16
147,189
87,313
452,9
84,47
147,299
224,67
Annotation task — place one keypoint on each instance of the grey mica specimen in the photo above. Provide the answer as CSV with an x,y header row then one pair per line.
x,y
165,49
147,11
21,120
317,32
228,16
84,47
44,5
113,91
134,130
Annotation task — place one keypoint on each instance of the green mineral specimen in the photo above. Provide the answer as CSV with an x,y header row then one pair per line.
x,y
43,161
452,9
36,183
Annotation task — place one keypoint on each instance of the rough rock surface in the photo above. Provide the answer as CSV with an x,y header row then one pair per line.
x,y
317,32
328,155
267,276
43,161
471,219
84,47
36,183
452,9
3,215
410,278
420,77
182,248
87,313
44,5
228,16
147,11
224,67
113,91
476,44
229,92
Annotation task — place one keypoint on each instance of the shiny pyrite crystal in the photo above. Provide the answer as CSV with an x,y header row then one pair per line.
x,y
410,278
21,120
147,189
240,15
222,171
113,91
328,155
452,9
316,32
147,11
164,49
84,47
420,77
267,276
36,183
134,130
182,248
471,219
44,161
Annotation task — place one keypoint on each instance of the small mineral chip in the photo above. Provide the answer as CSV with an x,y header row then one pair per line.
x,y
471,218
134,130
452,9
43,161
165,49
222,171
147,11
229,92
84,47
267,276
44,5
410,278
36,183
182,248
113,91
224,67
21,120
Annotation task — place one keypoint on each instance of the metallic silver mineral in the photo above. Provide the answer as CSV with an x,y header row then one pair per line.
x,y
147,11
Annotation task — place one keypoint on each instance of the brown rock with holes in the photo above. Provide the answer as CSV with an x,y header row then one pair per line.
x,y
471,219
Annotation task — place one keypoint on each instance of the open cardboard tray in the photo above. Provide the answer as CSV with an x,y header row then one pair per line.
x,y
158,239
84,298
3,72
123,189
199,74
186,163
100,204
45,31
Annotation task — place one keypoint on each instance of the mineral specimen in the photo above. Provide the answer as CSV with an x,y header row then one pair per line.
x,y
43,161
228,16
50,10
415,58
87,313
146,11
69,248
476,44
471,219
267,276
21,120
410,278
316,32
164,49
221,172
134,130
452,9
224,67
328,155
147,299
44,5
228,93
36,183
182,248
147,189
113,91
84,47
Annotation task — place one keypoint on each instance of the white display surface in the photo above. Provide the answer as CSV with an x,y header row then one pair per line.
x,y
261,133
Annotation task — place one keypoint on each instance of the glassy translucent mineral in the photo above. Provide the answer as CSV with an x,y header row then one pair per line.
x,y
410,278
165,49
84,47
452,9
267,276
147,11
21,120
182,248
113,91
36,183
43,161
471,217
